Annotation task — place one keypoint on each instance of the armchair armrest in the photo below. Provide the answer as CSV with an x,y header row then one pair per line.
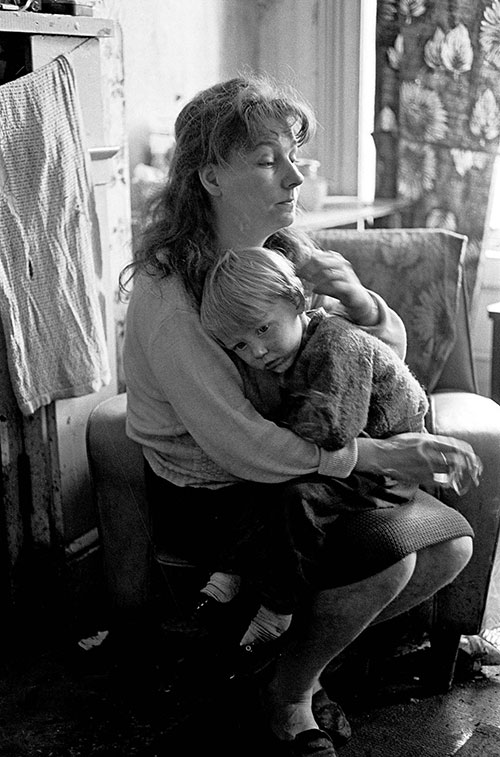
x,y
475,419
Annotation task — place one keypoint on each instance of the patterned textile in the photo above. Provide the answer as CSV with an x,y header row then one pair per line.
x,y
419,273
437,105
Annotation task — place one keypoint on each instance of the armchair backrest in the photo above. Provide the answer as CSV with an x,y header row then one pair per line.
x,y
419,273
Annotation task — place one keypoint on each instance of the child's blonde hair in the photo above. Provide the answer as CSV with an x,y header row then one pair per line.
x,y
242,285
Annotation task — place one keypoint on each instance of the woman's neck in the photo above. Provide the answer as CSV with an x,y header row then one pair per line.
x,y
230,235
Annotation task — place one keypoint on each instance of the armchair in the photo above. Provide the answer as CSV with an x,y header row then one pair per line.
x,y
420,274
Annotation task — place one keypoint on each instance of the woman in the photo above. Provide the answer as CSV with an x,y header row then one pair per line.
x,y
233,182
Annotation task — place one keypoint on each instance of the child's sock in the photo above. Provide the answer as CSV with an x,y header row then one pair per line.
x,y
223,587
266,626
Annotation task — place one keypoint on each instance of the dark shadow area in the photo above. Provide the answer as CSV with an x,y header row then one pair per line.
x,y
152,688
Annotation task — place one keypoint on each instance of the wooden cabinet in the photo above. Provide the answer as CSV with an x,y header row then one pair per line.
x,y
50,540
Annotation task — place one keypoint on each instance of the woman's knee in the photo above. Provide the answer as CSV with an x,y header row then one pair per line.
x,y
456,553
374,592
447,559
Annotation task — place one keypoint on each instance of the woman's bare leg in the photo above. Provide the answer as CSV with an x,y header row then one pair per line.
x,y
436,567
337,616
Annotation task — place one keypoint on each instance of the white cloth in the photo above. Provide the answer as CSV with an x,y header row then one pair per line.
x,y
49,242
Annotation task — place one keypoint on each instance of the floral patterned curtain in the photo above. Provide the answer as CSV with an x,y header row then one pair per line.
x,y
437,111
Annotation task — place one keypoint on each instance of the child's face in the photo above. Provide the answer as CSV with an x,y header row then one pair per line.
x,y
273,344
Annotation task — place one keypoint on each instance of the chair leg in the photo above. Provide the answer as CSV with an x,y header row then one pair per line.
x,y
443,656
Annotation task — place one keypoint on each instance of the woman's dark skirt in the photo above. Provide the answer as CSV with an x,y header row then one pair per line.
x,y
292,539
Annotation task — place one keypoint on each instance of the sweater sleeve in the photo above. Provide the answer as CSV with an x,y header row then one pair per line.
x,y
204,389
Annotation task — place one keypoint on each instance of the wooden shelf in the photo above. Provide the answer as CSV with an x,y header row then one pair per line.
x,y
55,24
344,210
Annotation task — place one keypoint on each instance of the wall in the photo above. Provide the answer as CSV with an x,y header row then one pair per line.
x,y
174,48
314,44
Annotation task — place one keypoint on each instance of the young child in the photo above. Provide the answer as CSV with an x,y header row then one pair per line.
x,y
325,379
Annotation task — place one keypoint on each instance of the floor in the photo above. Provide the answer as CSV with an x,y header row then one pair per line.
x,y
465,722
400,720
115,700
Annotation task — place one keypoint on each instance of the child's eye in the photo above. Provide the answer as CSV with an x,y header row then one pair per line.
x,y
263,329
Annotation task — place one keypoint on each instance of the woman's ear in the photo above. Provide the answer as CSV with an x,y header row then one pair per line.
x,y
209,179
299,300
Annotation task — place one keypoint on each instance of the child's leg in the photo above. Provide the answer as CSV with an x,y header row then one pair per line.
x,y
282,543
267,625
222,587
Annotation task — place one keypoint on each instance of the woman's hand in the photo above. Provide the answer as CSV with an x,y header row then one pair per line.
x,y
422,458
331,274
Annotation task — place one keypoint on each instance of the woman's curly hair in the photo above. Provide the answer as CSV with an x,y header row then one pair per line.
x,y
180,235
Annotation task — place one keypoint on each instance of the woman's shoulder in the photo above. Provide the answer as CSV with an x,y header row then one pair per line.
x,y
165,293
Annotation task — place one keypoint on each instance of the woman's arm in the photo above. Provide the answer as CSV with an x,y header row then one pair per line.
x,y
420,457
204,388
179,380
330,275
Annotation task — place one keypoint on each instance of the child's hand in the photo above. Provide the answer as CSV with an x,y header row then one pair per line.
x,y
331,274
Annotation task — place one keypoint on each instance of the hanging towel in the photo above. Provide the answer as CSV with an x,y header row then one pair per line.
x,y
49,242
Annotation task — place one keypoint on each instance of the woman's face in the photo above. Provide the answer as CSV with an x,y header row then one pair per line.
x,y
258,189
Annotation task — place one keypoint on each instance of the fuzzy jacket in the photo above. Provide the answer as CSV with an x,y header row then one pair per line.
x,y
346,381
